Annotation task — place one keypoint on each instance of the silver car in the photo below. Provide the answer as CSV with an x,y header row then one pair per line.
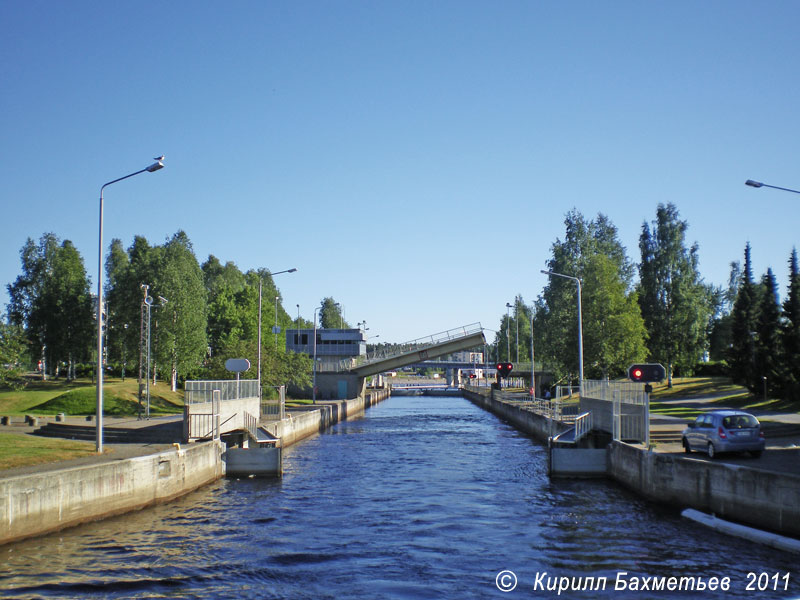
x,y
724,431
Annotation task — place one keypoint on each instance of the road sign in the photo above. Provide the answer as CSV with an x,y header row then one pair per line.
x,y
237,365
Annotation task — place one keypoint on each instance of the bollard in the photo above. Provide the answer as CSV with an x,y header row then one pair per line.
x,y
61,417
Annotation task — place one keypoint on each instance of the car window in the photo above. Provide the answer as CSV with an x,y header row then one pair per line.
x,y
739,422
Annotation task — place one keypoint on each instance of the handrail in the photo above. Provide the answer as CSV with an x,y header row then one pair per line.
x,y
428,341
583,425
250,424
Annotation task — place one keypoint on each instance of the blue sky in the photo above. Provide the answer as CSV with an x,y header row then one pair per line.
x,y
414,160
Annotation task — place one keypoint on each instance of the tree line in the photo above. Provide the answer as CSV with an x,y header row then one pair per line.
x,y
200,315
668,314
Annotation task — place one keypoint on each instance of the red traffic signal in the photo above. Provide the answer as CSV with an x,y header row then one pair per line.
x,y
504,369
647,373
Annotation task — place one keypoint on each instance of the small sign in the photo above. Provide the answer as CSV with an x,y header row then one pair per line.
x,y
276,329
237,365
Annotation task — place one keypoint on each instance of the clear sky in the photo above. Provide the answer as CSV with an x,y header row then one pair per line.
x,y
414,160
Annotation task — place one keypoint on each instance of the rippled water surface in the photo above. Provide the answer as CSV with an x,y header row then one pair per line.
x,y
422,498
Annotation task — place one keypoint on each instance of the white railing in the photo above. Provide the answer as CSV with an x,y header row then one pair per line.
x,y
250,425
274,409
627,392
196,392
583,425
414,345
555,409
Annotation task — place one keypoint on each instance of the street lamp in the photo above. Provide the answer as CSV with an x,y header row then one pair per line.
x,y
580,324
314,377
533,363
159,164
758,184
260,281
275,329
508,330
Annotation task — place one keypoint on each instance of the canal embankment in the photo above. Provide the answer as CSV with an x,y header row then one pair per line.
x,y
767,499
53,499
50,499
302,422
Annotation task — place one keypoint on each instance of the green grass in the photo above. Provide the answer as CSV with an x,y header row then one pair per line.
x,y
298,402
721,393
79,398
20,450
696,387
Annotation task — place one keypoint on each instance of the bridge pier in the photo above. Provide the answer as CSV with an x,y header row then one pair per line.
x,y
340,386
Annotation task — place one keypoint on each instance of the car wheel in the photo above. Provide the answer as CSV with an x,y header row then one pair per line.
x,y
710,450
756,453
686,447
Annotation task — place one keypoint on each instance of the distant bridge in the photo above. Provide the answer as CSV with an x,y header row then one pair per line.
x,y
346,378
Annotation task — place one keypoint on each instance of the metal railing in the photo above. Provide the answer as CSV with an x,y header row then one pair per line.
x,y
555,409
274,409
629,408
197,392
428,341
583,425
250,424
627,392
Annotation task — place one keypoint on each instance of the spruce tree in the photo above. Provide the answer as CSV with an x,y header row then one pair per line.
x,y
741,357
768,355
790,334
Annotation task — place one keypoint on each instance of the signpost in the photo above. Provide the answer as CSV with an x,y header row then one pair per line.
x,y
237,365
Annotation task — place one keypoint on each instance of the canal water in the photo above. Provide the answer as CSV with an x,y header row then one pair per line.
x,y
421,498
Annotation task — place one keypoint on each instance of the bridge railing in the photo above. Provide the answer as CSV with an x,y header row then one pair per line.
x,y
428,341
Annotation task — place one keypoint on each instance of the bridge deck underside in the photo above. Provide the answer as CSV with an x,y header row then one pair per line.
x,y
409,358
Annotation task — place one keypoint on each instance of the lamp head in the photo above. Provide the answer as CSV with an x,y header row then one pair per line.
x,y
755,184
159,164
291,270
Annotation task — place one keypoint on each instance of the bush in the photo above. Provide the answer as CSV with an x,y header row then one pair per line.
x,y
717,368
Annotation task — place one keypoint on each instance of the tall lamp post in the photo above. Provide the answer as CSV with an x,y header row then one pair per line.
x,y
314,365
159,164
758,184
260,281
508,331
580,324
533,363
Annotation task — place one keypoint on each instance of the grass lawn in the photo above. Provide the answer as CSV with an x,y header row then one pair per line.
x,y
20,450
120,398
721,391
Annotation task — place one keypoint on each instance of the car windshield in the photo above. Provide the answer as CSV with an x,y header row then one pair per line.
x,y
739,422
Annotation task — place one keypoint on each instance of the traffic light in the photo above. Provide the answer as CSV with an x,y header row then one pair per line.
x,y
647,373
504,369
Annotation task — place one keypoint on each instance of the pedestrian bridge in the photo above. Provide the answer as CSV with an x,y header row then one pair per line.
x,y
346,378
396,356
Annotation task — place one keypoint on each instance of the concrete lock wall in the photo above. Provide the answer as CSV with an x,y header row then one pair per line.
x,y
537,425
759,498
231,414
32,505
316,418
340,386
